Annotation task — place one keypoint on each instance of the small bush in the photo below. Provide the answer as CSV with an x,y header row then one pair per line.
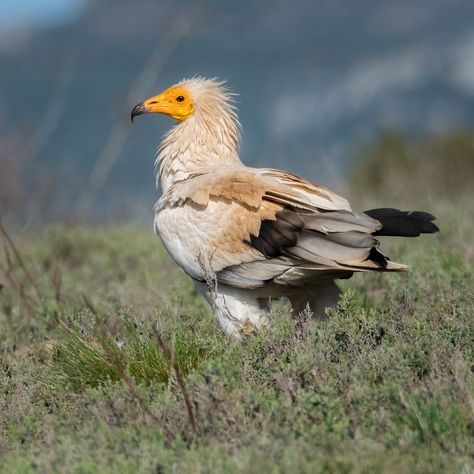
x,y
87,355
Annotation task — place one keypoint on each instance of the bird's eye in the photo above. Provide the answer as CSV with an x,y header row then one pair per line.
x,y
180,98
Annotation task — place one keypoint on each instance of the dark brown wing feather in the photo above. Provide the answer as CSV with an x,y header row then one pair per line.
x,y
318,237
276,235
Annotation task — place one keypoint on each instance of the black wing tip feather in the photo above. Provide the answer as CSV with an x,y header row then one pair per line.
x,y
377,256
398,223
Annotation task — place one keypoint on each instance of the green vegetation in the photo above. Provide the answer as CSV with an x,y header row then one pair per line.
x,y
110,362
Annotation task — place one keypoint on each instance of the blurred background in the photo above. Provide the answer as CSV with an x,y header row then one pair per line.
x,y
344,93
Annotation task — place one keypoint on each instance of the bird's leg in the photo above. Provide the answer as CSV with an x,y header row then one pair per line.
x,y
237,311
317,297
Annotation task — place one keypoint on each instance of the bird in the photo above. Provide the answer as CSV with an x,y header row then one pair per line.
x,y
248,236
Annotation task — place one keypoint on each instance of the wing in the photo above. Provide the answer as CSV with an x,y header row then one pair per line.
x,y
250,186
275,227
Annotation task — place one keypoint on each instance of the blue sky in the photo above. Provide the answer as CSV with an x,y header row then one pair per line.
x,y
16,13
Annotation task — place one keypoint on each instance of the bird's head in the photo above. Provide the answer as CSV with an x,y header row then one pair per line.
x,y
175,102
186,98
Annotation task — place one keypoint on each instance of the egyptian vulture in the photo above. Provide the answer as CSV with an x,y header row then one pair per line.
x,y
249,235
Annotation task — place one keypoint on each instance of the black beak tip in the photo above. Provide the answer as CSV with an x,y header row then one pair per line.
x,y
139,109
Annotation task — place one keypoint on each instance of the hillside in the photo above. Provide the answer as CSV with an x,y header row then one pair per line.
x,y
315,83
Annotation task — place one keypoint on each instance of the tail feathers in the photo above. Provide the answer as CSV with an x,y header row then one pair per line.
x,y
403,223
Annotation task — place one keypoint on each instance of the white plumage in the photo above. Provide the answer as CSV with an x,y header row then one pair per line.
x,y
249,235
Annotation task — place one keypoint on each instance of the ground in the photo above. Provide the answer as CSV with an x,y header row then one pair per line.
x,y
111,362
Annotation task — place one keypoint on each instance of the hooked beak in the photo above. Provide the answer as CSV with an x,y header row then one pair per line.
x,y
139,109
156,104
164,103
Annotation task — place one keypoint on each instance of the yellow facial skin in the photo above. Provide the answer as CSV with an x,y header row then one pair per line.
x,y
175,102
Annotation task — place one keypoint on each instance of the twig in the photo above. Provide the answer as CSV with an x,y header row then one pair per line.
x,y
120,131
179,377
9,273
57,282
21,262
89,304
205,262
210,277
51,118
131,386
128,381
118,364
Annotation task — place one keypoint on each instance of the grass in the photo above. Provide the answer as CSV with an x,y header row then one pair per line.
x,y
110,362
85,355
